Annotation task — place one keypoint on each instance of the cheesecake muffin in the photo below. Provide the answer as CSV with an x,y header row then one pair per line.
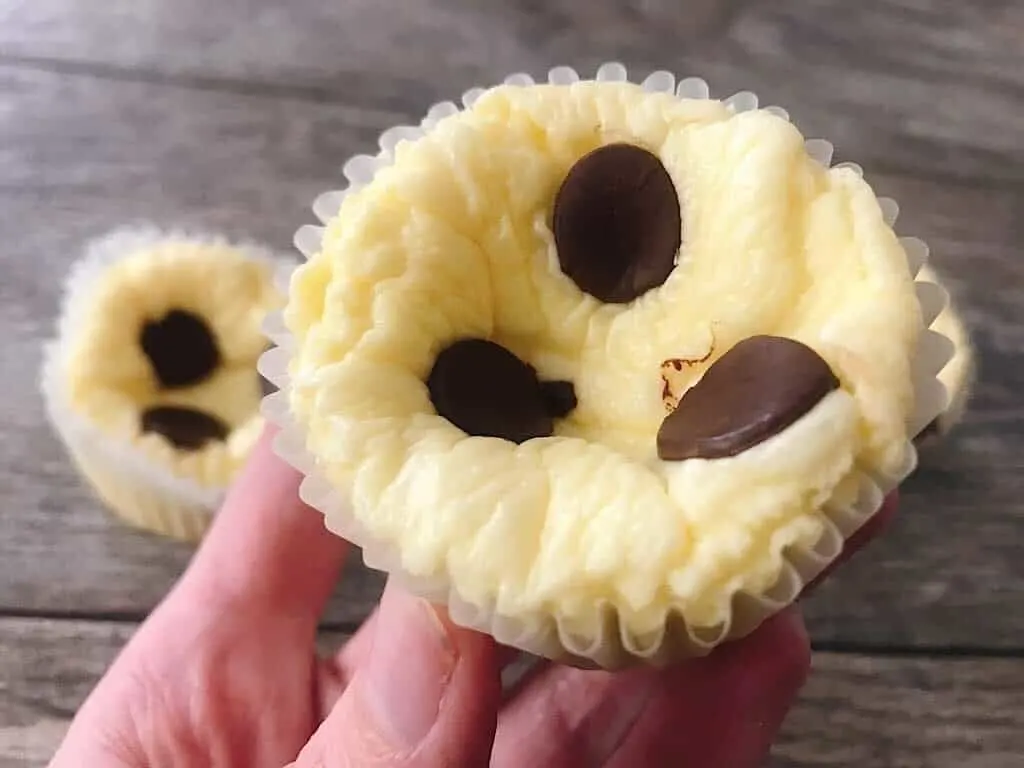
x,y
151,382
610,369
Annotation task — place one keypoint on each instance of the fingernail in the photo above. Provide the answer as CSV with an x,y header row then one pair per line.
x,y
409,668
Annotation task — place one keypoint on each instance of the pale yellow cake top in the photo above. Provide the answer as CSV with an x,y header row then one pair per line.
x,y
110,381
454,240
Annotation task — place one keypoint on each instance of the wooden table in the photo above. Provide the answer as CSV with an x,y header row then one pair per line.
x,y
232,115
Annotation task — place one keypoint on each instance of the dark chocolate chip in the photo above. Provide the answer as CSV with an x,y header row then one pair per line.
x,y
487,391
754,391
186,428
617,223
559,398
181,348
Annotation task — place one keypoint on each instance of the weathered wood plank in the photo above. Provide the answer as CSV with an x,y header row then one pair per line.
x,y
855,710
905,713
921,85
82,154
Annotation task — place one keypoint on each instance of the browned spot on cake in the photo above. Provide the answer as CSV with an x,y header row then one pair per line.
x,y
669,396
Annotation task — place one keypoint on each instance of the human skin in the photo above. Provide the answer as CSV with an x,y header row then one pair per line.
x,y
224,673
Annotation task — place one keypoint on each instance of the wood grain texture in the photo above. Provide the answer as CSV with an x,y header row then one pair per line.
x,y
925,86
82,154
855,711
906,713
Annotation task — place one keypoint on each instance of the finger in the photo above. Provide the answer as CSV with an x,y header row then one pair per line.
x,y
426,695
356,651
266,549
335,672
734,702
719,710
860,538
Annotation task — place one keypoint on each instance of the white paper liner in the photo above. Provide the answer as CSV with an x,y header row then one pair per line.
x,y
140,491
958,375
546,636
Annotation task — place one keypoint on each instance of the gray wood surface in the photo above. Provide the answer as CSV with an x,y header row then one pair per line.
x,y
929,84
232,116
855,711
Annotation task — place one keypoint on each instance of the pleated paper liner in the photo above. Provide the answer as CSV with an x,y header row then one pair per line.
x,y
608,644
958,375
140,491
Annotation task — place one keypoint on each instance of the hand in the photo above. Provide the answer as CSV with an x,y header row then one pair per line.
x,y
224,673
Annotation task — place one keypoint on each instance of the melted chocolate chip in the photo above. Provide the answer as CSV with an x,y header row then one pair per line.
x,y
487,391
186,428
559,397
617,223
180,347
754,391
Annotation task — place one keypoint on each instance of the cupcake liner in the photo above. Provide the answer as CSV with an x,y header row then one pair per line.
x,y
544,635
958,375
138,490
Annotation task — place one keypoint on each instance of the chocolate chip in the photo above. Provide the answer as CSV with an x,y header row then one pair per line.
x,y
180,347
617,223
186,428
754,391
559,398
487,391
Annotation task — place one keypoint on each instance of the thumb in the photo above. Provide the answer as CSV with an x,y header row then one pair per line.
x,y
427,695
